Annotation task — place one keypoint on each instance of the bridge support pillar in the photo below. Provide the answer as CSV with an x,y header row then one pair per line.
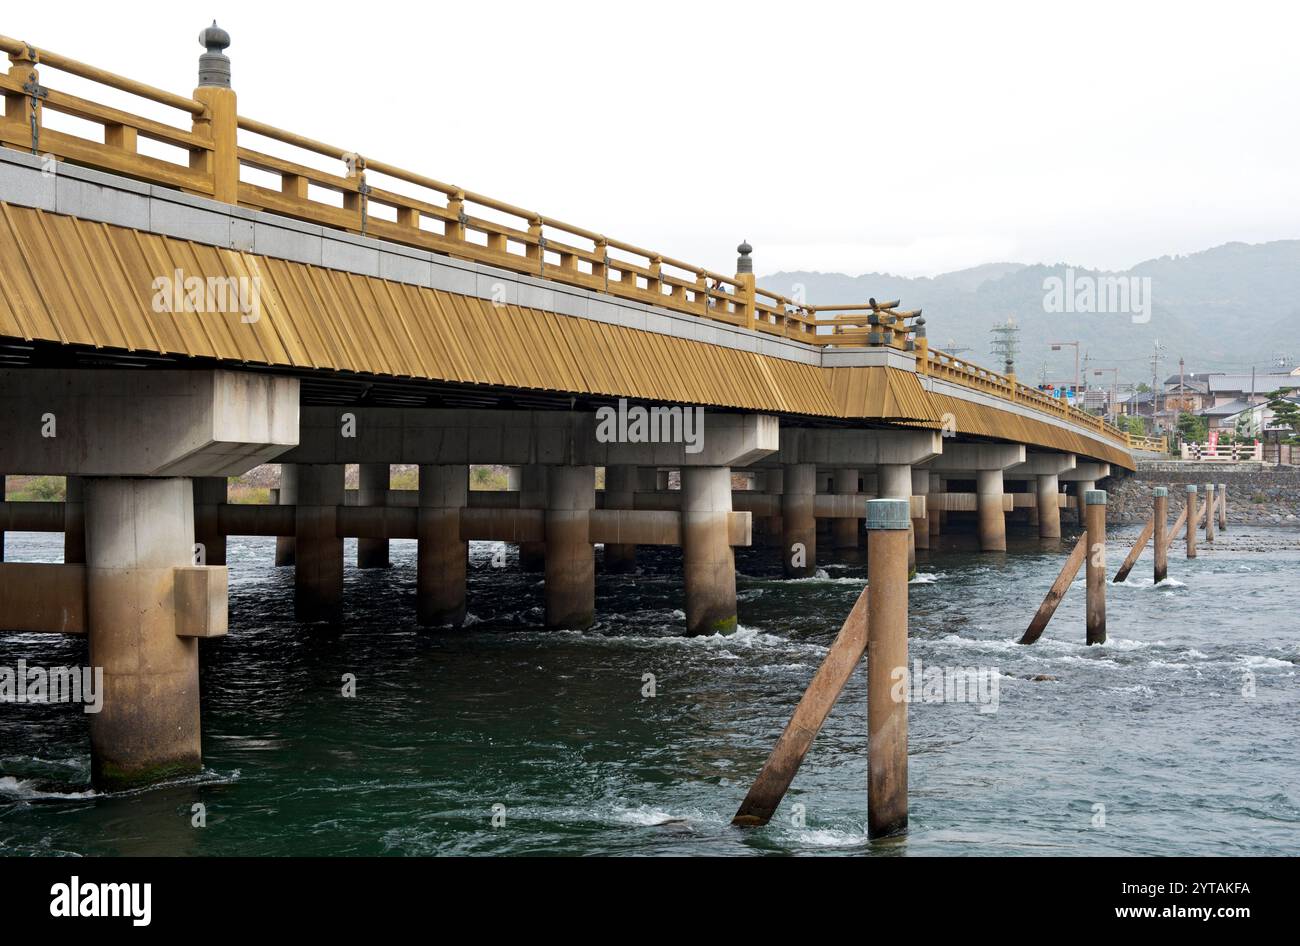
x,y
921,526
992,518
74,522
620,493
570,557
709,564
894,481
773,486
442,557
845,531
209,496
1083,487
138,531
318,550
935,515
1049,506
532,495
372,490
286,545
798,520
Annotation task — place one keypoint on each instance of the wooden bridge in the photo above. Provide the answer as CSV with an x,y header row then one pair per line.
x,y
178,304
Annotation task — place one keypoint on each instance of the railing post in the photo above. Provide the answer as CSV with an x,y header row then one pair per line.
x,y
887,526
454,229
922,347
23,109
220,124
745,295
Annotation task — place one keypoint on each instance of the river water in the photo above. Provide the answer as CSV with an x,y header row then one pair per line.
x,y
1178,736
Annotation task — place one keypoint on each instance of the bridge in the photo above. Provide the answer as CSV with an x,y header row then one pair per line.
x,y
178,304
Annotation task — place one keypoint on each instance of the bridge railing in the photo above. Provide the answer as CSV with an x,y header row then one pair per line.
x,y
1148,444
212,158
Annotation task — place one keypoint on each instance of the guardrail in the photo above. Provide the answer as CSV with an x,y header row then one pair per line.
x,y
213,161
1223,452
1148,444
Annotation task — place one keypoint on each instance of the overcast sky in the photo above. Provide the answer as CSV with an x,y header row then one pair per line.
x,y
914,138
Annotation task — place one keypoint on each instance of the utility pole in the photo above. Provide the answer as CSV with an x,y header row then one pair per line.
x,y
1182,385
1057,346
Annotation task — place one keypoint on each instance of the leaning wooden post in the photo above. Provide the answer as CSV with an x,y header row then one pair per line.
x,y
1223,507
1193,515
220,124
1136,552
887,525
814,706
1174,529
1094,501
1160,541
1057,591
1209,512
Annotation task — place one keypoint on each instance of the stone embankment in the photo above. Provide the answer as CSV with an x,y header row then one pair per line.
x,y
1257,495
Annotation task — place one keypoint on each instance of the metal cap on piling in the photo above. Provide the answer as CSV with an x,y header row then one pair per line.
x,y
888,514
214,65
1191,487
1160,491
1094,497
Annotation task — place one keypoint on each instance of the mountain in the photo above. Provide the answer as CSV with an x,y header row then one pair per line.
x,y
1222,309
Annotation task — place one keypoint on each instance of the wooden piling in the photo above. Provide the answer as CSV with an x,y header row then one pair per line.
x,y
1136,552
1209,512
1057,591
887,551
1223,507
1160,541
1095,505
1193,518
814,706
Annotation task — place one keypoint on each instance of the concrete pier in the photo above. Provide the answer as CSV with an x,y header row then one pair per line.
x,y
620,493
845,532
708,562
1082,489
138,531
372,490
798,524
921,526
1048,505
285,546
532,495
992,518
318,549
1160,536
935,516
210,542
570,556
773,487
887,525
442,556
74,524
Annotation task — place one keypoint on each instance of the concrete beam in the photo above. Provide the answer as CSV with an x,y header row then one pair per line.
x,y
1086,473
128,422
557,438
1042,464
858,448
973,457
43,598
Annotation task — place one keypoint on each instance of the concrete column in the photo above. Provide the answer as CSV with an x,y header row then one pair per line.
x,y
773,486
935,516
570,557
137,532
708,562
992,519
209,496
1082,487
921,527
1049,506
894,481
74,522
887,524
798,520
1035,511
442,557
372,490
845,531
286,544
318,575
661,479
532,495
4,496
620,492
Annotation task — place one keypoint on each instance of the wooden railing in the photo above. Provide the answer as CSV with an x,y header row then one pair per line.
x,y
443,218
1148,444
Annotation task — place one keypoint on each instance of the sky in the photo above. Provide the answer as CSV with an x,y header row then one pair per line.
x,y
914,138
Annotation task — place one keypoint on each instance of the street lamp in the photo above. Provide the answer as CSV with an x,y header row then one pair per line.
x,y
1057,346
